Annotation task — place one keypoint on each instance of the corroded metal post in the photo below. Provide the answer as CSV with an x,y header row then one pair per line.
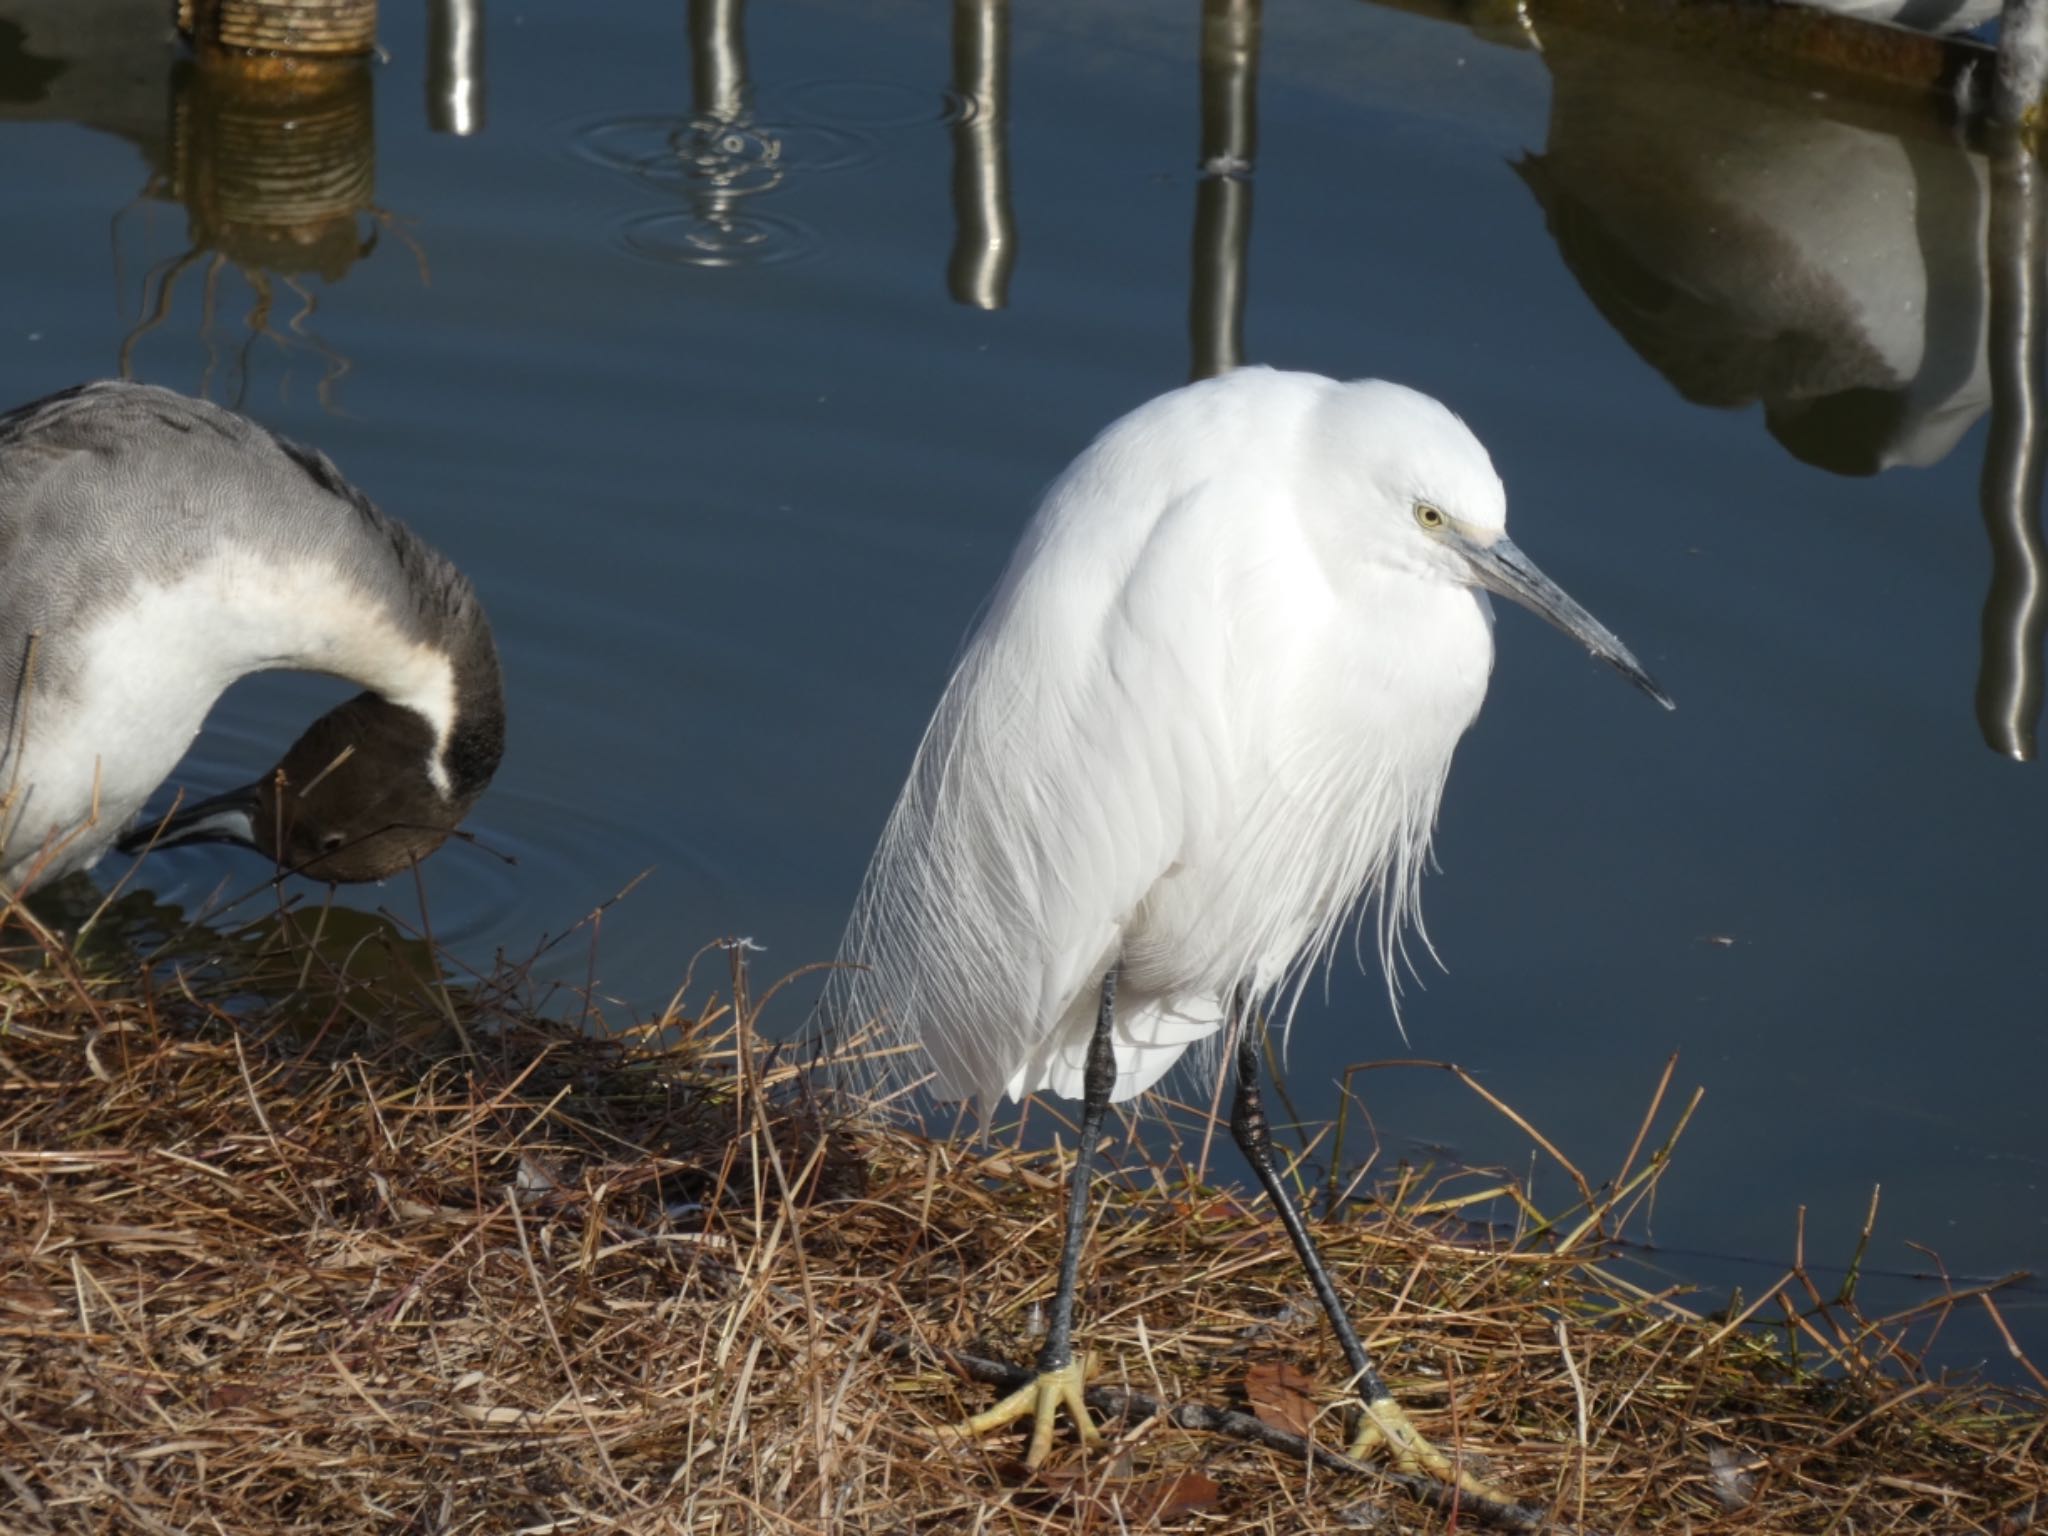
x,y
455,66
316,28
1223,198
2016,610
984,228
718,60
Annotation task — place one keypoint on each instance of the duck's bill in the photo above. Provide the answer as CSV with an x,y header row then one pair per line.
x,y
228,818
1502,567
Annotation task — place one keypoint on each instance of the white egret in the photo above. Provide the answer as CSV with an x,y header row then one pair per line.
x,y
1207,714
153,550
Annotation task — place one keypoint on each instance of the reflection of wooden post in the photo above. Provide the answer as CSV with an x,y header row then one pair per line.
x,y
984,229
274,178
2016,610
1223,199
275,168
321,27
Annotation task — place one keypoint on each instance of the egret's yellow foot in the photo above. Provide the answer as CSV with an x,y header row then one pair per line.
x,y
1384,1423
1042,1398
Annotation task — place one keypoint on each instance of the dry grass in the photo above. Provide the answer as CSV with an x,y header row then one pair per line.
x,y
336,1264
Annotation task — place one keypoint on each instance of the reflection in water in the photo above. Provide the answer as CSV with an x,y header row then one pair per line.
x,y
317,967
1829,260
102,65
1922,15
276,176
24,76
718,62
1752,250
2022,74
984,228
455,66
275,37
2016,609
1223,199
721,158
726,158
274,165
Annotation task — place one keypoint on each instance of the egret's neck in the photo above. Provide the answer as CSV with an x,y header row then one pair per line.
x,y
1420,652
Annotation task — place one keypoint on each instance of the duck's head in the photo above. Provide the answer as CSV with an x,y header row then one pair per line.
x,y
366,792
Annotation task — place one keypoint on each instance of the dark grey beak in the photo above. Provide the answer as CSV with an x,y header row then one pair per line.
x,y
228,818
1502,567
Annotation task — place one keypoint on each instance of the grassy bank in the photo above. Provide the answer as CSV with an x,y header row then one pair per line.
x,y
297,1245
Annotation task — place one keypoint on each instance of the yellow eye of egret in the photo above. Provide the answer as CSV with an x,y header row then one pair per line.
x,y
1431,518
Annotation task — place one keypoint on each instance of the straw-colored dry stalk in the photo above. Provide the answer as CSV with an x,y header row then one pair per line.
x,y
327,1264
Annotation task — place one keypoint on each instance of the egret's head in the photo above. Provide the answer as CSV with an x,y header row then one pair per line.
x,y
1387,450
1434,508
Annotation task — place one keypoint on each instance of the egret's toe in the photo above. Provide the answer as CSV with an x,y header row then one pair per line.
x,y
1384,1424
1042,1398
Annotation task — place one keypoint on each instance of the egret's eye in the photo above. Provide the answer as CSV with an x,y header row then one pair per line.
x,y
1431,518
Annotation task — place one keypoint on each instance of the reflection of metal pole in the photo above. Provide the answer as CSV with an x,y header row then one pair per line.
x,y
455,66
2016,611
1223,200
984,228
718,60
718,92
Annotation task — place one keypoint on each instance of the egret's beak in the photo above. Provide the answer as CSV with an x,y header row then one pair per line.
x,y
228,818
1500,566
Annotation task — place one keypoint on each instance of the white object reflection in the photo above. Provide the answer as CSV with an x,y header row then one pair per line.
x,y
1863,274
1921,15
1751,249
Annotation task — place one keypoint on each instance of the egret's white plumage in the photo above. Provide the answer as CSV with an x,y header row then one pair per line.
x,y
1208,714
1209,711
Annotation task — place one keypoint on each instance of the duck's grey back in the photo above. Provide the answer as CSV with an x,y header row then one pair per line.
x,y
111,485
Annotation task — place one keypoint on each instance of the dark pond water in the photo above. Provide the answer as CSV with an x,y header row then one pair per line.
x,y
730,350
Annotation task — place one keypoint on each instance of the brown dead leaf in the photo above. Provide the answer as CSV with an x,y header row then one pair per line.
x,y
1135,1503
1168,1498
1279,1397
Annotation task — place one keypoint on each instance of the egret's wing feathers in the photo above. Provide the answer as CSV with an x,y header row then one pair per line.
x,y
1046,801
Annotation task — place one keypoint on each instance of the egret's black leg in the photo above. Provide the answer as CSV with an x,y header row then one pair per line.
x,y
1098,1079
1062,1378
1254,1138
1384,1422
